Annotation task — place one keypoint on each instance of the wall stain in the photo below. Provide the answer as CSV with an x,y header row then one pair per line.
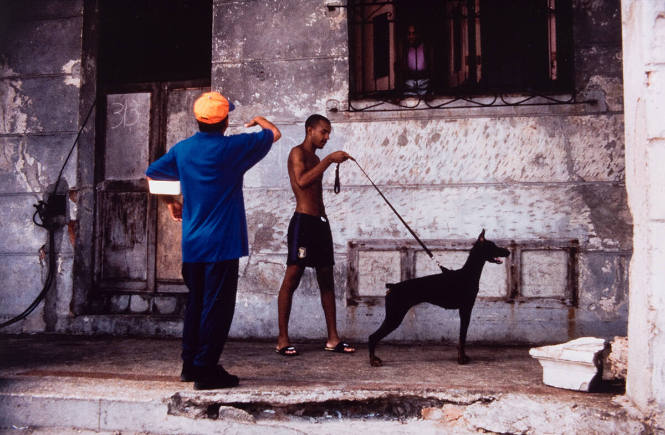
x,y
608,212
262,223
402,140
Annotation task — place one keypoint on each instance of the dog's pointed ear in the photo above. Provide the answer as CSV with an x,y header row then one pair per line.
x,y
481,237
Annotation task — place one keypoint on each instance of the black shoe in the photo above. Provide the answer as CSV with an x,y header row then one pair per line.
x,y
212,378
187,373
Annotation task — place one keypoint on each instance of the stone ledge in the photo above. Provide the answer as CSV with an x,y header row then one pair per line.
x,y
572,365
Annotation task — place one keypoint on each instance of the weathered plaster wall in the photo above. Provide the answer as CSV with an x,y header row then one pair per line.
x,y
531,174
644,75
40,52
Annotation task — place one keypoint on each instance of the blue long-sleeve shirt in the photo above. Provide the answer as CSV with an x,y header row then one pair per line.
x,y
210,167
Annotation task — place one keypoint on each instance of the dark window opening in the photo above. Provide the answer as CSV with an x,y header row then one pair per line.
x,y
150,41
459,47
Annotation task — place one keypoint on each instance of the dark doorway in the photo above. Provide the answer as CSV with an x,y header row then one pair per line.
x,y
154,59
150,41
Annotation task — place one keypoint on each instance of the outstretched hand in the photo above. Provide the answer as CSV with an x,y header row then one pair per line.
x,y
340,156
264,123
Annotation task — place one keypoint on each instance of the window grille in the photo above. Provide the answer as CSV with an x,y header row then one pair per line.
x,y
438,52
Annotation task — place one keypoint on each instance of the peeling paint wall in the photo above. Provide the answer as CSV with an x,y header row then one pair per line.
x,y
40,53
644,71
525,174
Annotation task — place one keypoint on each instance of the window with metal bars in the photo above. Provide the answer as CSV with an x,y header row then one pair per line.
x,y
401,48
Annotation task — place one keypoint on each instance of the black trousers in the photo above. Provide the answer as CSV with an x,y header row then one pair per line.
x,y
210,307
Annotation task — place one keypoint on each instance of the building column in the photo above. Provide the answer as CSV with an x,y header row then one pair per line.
x,y
643,23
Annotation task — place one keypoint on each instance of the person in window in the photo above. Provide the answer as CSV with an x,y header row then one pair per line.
x,y
415,64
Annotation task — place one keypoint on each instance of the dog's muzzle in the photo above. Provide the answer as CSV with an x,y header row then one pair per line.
x,y
502,253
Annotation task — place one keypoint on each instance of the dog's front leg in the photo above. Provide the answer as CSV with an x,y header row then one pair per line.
x,y
374,360
465,318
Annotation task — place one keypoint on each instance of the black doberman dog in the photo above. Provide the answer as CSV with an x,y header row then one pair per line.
x,y
452,289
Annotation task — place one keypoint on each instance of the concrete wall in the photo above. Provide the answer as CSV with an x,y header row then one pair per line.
x,y
40,56
529,175
644,74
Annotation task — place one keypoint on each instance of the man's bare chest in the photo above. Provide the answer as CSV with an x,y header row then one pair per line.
x,y
311,162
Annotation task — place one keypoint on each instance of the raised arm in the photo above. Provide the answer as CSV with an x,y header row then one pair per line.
x,y
304,178
264,123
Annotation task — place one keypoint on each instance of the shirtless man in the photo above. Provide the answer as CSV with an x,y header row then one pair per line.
x,y
309,237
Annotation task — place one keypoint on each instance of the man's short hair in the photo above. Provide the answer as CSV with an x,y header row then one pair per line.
x,y
313,121
213,128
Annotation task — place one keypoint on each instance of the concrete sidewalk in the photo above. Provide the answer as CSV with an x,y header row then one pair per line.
x,y
131,385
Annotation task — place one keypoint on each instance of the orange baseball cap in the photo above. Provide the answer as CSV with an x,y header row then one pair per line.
x,y
212,107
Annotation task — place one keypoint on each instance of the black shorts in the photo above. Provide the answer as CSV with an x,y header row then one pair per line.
x,y
310,241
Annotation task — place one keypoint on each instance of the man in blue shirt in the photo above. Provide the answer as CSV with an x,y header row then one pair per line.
x,y
210,168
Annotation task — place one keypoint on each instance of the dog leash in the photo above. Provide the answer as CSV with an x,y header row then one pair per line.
x,y
337,189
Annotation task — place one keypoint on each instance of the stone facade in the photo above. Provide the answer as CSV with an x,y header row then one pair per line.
x,y
40,86
545,181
